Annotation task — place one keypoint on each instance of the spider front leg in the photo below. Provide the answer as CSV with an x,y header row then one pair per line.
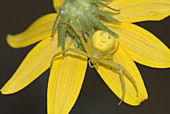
x,y
123,84
85,45
95,65
69,49
111,52
122,71
109,55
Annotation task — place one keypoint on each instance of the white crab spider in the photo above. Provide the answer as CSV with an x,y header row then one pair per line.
x,y
100,50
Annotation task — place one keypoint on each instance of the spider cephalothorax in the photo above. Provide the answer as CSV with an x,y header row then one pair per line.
x,y
85,16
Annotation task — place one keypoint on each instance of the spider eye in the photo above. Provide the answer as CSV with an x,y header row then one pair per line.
x,y
103,41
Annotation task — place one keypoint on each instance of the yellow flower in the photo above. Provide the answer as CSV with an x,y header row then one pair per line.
x,y
67,74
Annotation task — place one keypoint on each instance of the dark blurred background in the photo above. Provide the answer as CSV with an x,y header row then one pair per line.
x,y
95,96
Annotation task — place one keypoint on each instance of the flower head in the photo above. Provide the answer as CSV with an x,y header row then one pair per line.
x,y
79,32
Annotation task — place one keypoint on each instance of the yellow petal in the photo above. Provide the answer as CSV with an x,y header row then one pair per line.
x,y
65,82
39,30
57,4
112,79
35,63
141,10
142,45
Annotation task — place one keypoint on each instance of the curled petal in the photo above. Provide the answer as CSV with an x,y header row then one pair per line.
x,y
39,30
143,46
35,63
57,4
112,79
66,78
141,10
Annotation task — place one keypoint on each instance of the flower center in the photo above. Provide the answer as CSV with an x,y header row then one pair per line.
x,y
76,9
85,16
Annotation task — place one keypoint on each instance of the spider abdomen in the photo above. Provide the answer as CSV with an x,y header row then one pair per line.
x,y
103,41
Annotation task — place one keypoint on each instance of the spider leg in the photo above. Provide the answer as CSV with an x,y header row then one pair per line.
x,y
81,37
111,52
123,84
121,71
68,49
89,41
108,55
95,65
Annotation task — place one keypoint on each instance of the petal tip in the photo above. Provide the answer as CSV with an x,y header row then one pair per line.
x,y
140,100
10,41
4,90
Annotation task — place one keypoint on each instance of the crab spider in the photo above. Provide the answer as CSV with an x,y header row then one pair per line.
x,y
100,49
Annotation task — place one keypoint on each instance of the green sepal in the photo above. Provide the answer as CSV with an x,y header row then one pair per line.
x,y
79,44
107,16
61,35
55,22
102,4
91,33
77,33
76,44
62,30
99,24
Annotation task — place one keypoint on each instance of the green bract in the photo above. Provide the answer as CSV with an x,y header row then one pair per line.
x,y
85,16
